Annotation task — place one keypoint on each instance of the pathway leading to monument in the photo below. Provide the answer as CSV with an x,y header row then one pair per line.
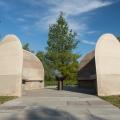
x,y
50,104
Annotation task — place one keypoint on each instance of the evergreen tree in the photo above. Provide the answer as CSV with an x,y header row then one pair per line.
x,y
61,43
26,47
118,38
41,56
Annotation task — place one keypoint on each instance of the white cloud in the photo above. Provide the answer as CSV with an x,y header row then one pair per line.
x,y
21,19
75,7
92,32
51,9
71,9
87,42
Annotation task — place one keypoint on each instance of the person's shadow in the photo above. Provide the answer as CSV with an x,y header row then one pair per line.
x,y
43,113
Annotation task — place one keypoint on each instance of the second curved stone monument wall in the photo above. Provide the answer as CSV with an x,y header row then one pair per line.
x,y
33,71
107,55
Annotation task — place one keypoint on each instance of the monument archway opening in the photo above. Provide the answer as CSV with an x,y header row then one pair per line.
x,y
18,68
87,72
101,67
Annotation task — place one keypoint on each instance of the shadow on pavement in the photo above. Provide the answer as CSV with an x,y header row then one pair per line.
x,y
80,90
77,89
43,113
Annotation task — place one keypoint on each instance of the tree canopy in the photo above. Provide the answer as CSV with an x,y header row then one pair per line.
x,y
61,43
26,47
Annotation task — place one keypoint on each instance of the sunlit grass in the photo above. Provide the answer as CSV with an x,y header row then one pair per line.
x,y
115,100
6,98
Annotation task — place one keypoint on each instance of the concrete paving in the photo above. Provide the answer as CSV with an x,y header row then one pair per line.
x,y
50,104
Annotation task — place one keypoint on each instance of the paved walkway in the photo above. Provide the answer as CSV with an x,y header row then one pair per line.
x,y
50,104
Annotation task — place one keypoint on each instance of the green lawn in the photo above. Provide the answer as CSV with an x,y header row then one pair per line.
x,y
115,100
6,98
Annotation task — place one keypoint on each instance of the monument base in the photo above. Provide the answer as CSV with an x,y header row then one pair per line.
x,y
33,85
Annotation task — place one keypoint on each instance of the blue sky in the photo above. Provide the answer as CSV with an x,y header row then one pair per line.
x,y
29,20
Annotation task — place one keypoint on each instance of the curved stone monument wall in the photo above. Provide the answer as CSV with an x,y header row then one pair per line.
x,y
107,55
11,61
33,71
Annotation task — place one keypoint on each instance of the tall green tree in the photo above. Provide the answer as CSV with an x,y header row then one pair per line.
x,y
26,47
42,56
118,38
61,43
